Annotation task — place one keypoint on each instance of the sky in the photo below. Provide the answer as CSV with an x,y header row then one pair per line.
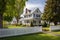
x,y
31,4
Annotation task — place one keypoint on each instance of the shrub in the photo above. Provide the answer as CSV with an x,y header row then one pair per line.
x,y
44,24
31,24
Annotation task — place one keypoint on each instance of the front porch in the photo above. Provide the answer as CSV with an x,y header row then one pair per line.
x,y
35,22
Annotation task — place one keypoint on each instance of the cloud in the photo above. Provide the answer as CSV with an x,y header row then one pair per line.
x,y
31,6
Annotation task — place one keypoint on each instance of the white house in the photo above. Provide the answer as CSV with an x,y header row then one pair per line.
x,y
33,16
14,21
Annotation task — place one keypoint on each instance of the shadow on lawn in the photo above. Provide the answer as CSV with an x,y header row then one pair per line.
x,y
33,37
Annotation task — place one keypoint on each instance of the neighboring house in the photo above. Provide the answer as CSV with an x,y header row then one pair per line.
x,y
33,16
14,21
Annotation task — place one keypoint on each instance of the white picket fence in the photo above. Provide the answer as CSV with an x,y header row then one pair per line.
x,y
19,31
54,28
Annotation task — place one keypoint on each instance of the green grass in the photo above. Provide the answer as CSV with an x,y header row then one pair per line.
x,y
5,25
14,26
33,37
46,28
56,32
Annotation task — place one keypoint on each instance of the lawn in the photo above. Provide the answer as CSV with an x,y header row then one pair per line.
x,y
33,37
56,32
45,28
5,25
14,26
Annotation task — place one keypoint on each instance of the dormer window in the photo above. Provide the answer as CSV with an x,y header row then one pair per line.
x,y
37,11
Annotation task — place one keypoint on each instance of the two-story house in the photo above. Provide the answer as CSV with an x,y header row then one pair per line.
x,y
33,16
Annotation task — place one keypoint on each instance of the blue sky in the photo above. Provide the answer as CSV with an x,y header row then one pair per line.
x,y
31,4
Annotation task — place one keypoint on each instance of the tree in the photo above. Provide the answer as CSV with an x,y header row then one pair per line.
x,y
19,6
51,11
8,10
2,9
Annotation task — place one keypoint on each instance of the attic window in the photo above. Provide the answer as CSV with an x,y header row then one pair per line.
x,y
37,11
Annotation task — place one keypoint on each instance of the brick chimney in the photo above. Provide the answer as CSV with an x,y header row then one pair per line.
x,y
27,11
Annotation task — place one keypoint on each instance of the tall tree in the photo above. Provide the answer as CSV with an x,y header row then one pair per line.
x,y
51,11
19,6
2,9
8,9
9,12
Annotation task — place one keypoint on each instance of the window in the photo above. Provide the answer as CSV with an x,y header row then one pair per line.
x,y
33,15
37,15
27,21
24,21
37,11
30,15
25,16
39,21
34,21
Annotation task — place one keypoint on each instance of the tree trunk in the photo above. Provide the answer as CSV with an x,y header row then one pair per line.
x,y
17,18
17,22
1,21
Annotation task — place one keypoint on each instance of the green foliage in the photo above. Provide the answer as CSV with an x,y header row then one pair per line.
x,y
44,24
8,18
19,6
2,6
31,24
51,11
8,9
13,8
9,12
45,29
2,10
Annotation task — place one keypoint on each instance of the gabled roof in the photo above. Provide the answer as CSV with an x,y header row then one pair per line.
x,y
35,9
32,11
